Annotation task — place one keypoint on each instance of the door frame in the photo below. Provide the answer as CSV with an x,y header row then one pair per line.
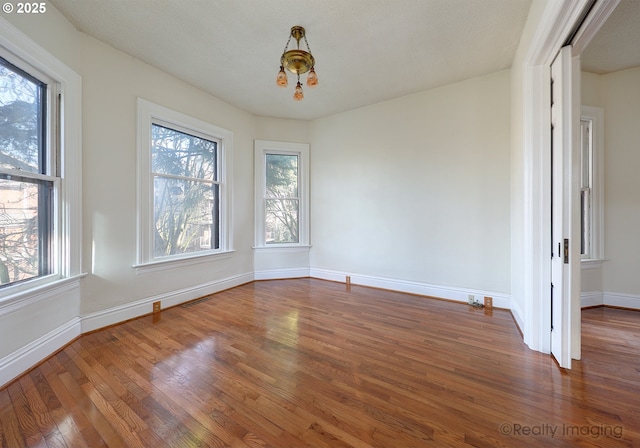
x,y
558,20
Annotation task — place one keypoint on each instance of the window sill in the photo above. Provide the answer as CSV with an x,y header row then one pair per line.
x,y
25,294
591,263
283,248
162,265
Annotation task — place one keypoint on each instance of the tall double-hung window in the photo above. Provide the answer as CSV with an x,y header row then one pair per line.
x,y
184,207
186,191
282,192
591,184
29,174
40,169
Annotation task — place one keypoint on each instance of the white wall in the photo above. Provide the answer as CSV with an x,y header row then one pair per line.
x,y
621,99
52,32
591,90
617,282
111,82
281,130
417,188
274,262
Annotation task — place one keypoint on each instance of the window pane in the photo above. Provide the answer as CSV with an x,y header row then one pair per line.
x,y
281,221
180,154
25,226
22,105
585,221
585,148
186,216
281,176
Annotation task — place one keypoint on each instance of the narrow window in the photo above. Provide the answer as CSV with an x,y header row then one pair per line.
x,y
281,194
585,187
282,199
591,183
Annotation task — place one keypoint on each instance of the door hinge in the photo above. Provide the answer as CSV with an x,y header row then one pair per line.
x,y
566,251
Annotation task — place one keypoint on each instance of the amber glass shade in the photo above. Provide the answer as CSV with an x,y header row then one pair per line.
x,y
281,79
312,78
298,95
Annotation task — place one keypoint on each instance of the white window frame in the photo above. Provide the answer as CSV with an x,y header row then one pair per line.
x,y
262,148
64,130
148,114
595,115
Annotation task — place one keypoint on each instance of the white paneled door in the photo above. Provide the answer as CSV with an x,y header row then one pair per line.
x,y
563,117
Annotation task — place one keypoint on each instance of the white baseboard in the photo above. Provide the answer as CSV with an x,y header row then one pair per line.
x,y
591,298
607,298
276,274
500,300
516,312
23,359
139,308
621,300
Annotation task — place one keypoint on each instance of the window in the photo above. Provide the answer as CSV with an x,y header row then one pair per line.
x,y
186,186
282,199
40,170
281,194
29,180
591,195
183,186
586,186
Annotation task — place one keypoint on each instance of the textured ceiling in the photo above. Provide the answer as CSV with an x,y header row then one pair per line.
x,y
617,44
366,51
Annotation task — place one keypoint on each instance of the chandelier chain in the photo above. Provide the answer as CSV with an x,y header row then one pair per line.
x,y
307,43
287,45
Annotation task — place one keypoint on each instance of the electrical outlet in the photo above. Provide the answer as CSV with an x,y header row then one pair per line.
x,y
488,302
156,307
471,299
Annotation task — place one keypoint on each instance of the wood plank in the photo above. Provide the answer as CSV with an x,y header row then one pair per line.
x,y
27,417
9,421
100,423
83,432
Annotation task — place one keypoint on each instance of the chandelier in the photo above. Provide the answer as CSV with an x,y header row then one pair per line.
x,y
298,62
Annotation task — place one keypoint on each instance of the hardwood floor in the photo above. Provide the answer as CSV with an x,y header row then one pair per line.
x,y
307,362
